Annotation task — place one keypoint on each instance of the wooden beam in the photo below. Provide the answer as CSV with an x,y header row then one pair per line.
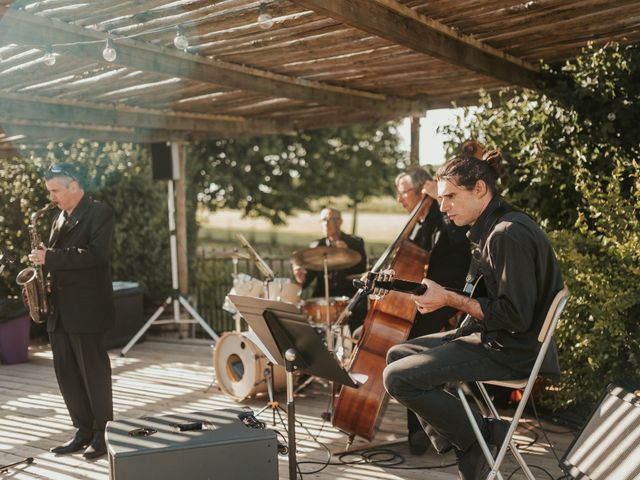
x,y
64,131
21,27
404,26
20,106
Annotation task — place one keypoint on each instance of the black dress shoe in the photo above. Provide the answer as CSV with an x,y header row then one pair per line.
x,y
77,443
98,446
418,442
472,464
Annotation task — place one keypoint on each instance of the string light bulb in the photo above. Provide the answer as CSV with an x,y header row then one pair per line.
x,y
49,58
109,53
181,42
264,19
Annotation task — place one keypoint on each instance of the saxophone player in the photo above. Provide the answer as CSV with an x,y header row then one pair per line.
x,y
78,262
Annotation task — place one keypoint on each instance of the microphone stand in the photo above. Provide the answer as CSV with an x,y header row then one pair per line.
x,y
5,468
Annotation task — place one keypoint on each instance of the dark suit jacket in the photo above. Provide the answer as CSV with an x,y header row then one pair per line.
x,y
79,264
339,285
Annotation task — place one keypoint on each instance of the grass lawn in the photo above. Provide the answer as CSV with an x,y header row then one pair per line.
x,y
218,230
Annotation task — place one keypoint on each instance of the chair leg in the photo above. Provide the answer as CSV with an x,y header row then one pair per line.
x,y
478,433
511,443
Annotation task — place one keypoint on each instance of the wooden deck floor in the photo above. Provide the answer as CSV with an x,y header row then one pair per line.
x,y
163,377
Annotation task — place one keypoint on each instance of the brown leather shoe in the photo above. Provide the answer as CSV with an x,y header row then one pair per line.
x,y
77,443
98,447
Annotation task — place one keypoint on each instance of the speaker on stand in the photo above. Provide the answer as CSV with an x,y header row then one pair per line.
x,y
165,160
163,166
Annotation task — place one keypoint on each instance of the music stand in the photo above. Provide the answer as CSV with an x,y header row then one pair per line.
x,y
289,340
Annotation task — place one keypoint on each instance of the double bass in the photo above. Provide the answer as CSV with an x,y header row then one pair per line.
x,y
358,411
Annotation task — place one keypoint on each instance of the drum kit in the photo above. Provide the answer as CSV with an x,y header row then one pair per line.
x,y
239,364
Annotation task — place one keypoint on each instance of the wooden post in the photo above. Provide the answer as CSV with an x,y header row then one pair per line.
x,y
181,222
414,155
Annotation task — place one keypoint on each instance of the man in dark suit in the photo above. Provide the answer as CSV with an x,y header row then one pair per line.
x,y
78,263
339,284
449,259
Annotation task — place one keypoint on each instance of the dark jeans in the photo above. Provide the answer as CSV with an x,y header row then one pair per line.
x,y
417,372
427,324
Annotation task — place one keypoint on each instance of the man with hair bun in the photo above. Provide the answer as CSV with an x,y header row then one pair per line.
x,y
498,339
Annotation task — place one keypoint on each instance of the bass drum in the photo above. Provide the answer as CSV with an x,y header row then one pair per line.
x,y
239,365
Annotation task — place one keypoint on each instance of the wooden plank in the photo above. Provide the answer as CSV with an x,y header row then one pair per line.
x,y
161,378
22,27
20,106
402,25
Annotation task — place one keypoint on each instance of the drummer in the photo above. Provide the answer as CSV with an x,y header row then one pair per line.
x,y
339,284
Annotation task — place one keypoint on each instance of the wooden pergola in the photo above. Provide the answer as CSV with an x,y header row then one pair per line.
x,y
320,63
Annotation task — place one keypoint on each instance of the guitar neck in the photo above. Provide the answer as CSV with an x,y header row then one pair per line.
x,y
404,286
414,288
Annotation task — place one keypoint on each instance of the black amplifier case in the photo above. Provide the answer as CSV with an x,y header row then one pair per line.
x,y
191,446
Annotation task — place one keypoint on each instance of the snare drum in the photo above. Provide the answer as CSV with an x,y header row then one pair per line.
x,y
316,309
240,366
284,290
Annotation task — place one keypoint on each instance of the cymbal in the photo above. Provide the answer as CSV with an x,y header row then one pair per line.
x,y
337,258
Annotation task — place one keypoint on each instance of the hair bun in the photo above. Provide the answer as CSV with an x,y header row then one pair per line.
x,y
493,159
473,149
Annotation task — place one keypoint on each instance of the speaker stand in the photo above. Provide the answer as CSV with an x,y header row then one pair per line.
x,y
176,298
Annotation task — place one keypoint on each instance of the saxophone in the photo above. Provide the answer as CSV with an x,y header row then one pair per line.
x,y
31,279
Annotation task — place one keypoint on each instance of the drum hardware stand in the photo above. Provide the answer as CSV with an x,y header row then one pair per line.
x,y
236,316
272,404
175,297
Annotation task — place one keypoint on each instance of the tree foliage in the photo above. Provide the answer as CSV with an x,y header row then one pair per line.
x,y
571,160
268,176
276,175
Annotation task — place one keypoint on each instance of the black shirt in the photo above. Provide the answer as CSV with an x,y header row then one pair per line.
x,y
449,258
521,276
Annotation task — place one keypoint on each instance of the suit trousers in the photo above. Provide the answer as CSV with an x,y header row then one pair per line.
x,y
83,371
417,373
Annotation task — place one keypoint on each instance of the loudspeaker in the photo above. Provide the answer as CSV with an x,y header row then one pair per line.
x,y
195,446
608,446
164,165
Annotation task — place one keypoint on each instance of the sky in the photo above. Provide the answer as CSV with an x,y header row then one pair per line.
x,y
431,143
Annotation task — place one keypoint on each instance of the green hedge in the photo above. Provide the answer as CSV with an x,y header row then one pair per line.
x,y
599,334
